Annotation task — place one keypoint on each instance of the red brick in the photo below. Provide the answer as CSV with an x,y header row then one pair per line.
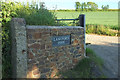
x,y
67,61
53,74
55,30
36,72
52,64
34,67
75,41
43,46
68,55
75,60
35,50
48,46
82,46
36,46
60,54
30,55
37,35
46,33
50,57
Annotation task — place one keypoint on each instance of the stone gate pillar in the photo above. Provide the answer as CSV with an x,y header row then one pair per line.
x,y
19,48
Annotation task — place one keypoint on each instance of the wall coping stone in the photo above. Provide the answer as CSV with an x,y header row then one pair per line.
x,y
51,27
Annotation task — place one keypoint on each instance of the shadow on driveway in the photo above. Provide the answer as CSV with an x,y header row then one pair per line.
x,y
109,53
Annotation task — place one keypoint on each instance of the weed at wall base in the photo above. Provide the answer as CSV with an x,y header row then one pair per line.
x,y
84,67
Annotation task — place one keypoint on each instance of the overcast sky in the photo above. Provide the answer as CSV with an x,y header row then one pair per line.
x,y
70,4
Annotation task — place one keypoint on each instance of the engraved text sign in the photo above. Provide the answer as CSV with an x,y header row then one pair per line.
x,y
60,40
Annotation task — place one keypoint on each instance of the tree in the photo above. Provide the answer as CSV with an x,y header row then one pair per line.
x,y
105,8
42,4
84,6
95,6
92,6
77,5
102,7
89,5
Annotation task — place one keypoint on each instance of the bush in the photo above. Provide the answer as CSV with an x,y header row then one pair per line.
x,y
32,15
7,13
35,16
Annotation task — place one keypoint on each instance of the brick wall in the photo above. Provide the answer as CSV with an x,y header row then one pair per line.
x,y
45,60
33,53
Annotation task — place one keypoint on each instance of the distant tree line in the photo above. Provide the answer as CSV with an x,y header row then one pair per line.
x,y
89,6
105,8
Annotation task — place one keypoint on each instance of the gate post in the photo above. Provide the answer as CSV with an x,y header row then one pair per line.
x,y
82,24
19,48
82,20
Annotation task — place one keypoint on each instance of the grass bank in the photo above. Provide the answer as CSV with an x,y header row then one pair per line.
x,y
86,68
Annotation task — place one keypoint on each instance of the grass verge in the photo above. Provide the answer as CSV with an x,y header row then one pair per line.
x,y
86,68
102,29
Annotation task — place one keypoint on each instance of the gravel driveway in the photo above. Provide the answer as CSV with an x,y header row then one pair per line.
x,y
107,48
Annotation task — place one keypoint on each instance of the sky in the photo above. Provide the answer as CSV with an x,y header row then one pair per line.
x,y
70,4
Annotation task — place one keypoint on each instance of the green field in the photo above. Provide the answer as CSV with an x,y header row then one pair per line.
x,y
104,18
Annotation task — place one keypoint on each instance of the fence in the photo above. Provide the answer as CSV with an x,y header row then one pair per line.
x,y
81,19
